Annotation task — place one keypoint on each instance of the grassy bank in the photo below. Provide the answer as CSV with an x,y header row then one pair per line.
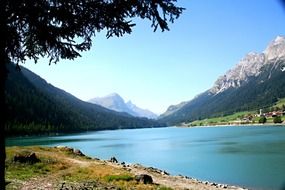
x,y
60,168
64,168
234,119
240,118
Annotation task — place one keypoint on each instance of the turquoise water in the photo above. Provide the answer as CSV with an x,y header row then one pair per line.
x,y
252,157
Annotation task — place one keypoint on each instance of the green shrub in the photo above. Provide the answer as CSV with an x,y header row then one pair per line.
x,y
262,119
277,119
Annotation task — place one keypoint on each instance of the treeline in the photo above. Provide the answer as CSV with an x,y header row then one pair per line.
x,y
272,109
36,107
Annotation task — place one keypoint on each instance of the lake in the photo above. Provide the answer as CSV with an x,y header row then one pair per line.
x,y
252,157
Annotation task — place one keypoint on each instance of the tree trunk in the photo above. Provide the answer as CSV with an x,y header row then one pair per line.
x,y
3,76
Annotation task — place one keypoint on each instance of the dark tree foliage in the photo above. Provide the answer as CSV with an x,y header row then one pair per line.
x,y
61,29
277,119
35,107
262,119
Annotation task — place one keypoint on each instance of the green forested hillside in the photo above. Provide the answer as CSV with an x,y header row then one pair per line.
x,y
259,92
36,107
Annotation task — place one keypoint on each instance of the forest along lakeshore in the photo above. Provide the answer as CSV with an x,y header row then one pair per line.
x,y
68,126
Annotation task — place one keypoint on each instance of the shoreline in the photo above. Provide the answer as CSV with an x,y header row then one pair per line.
x,y
162,177
179,126
234,125
76,132
70,159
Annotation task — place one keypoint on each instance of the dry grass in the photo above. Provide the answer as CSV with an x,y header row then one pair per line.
x,y
59,166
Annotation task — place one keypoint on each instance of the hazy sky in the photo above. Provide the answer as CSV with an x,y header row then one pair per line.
x,y
156,70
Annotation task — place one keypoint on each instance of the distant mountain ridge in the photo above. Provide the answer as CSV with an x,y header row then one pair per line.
x,y
36,107
257,81
250,66
115,102
172,109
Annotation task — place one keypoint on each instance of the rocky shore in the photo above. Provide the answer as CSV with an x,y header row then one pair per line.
x,y
176,182
162,177
65,168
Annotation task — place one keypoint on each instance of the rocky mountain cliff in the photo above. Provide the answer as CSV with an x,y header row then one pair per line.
x,y
250,66
115,102
258,80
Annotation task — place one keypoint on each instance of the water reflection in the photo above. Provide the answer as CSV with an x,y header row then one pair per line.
x,y
47,140
116,146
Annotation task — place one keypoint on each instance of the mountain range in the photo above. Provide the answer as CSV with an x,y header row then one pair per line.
x,y
257,81
37,107
115,102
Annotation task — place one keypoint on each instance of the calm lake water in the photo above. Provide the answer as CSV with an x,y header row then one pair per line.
x,y
252,157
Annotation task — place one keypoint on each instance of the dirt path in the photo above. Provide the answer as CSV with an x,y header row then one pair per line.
x,y
44,183
80,163
51,182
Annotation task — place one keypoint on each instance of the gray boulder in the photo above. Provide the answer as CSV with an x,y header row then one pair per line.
x,y
78,152
144,178
114,160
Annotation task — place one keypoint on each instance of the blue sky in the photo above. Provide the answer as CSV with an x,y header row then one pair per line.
x,y
156,70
